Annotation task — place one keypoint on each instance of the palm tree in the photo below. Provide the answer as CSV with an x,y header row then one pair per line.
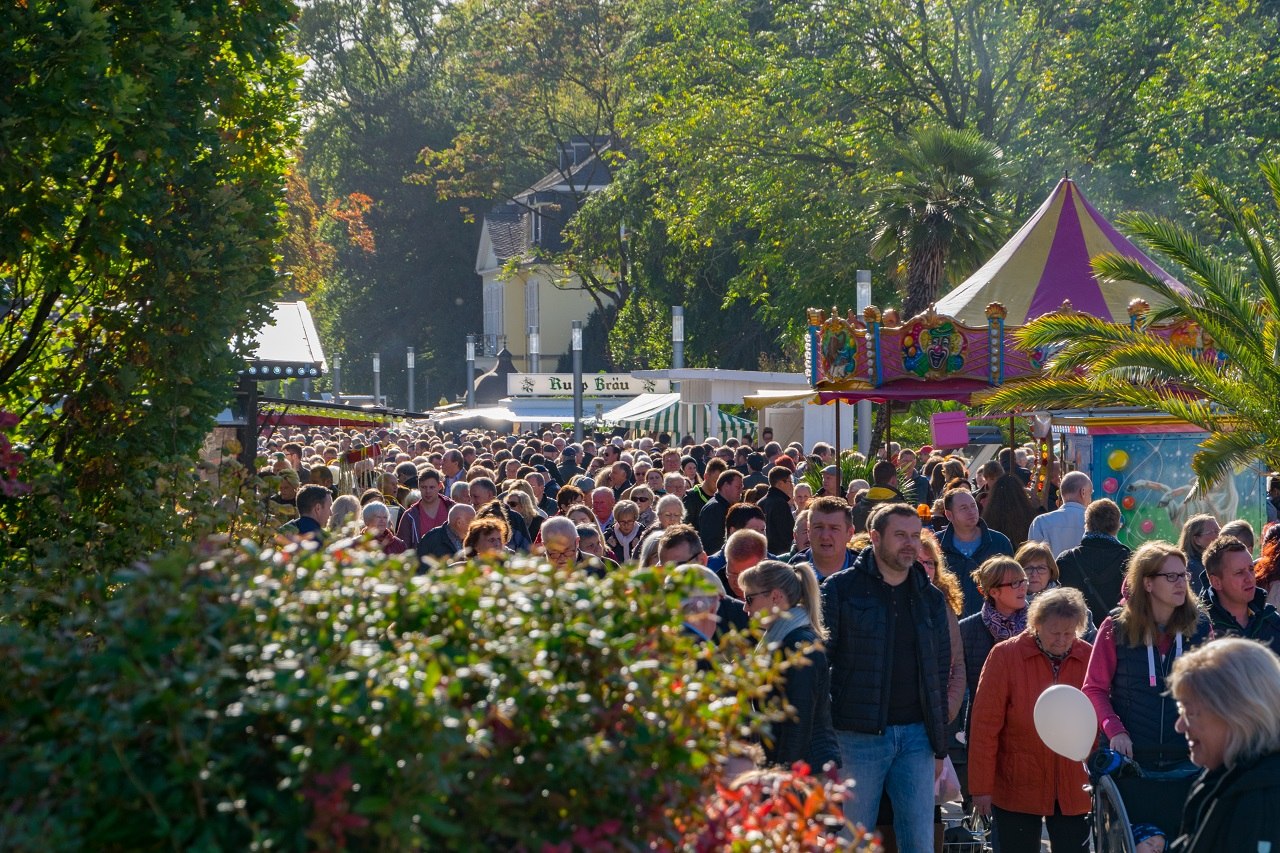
x,y
1233,396
936,212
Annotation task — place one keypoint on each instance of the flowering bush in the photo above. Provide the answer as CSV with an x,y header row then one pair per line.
x,y
336,700
776,810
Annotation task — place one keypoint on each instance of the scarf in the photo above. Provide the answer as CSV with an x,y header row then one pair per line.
x,y
1097,535
625,541
1003,627
1055,661
782,625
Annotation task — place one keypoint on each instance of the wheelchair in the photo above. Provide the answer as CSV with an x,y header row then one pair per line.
x,y
1125,794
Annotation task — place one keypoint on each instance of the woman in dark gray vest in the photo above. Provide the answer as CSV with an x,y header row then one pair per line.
x,y
1134,654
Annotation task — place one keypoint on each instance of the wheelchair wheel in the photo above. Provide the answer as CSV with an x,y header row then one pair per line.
x,y
1112,832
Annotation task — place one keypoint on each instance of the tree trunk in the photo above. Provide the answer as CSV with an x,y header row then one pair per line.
x,y
924,275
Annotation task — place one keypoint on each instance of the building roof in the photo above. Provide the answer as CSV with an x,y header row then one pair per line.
x,y
508,228
287,346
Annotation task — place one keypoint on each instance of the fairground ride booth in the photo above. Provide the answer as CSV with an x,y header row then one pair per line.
x,y
964,346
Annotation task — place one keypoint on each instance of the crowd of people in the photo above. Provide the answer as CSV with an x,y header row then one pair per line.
x,y
934,604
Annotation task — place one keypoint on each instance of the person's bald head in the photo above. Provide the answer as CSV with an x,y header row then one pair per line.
x,y
742,550
1076,487
460,517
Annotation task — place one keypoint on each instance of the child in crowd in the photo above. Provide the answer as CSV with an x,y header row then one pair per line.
x,y
1147,838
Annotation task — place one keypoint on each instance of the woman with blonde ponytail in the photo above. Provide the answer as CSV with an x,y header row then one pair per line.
x,y
786,600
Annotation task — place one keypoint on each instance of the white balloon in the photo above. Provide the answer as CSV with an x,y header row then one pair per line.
x,y
1066,721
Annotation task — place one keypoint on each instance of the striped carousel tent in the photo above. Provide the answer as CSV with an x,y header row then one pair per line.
x,y
1048,261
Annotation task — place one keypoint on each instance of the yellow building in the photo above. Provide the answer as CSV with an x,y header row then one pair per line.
x,y
522,292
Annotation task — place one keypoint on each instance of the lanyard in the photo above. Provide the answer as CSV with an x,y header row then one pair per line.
x,y
1151,657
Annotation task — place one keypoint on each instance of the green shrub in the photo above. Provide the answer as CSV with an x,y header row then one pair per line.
x,y
304,699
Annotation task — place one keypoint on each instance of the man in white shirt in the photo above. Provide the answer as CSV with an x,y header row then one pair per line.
x,y
1063,528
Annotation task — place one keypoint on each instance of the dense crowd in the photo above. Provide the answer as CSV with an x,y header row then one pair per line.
x,y
935,603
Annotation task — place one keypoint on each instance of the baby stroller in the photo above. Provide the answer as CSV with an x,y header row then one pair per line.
x,y
1125,794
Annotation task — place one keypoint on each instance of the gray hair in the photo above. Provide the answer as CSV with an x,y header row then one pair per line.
x,y
668,500
1241,530
458,510
1061,602
372,508
1074,483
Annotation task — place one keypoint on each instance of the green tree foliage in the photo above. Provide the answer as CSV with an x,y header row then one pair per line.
x,y
936,213
1228,387
403,271
748,140
144,150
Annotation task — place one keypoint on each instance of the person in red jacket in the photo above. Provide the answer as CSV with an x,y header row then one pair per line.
x,y
1013,776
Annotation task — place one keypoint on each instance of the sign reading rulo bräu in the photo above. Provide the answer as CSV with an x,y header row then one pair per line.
x,y
593,385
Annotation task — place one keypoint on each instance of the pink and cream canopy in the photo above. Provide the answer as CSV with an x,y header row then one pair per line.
x,y
1048,261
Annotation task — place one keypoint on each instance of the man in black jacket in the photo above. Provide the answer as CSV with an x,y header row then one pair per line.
x,y
890,650
779,523
1097,565
1237,607
711,516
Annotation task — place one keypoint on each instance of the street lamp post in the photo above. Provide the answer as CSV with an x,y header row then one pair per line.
x,y
377,379
337,379
577,381
410,360
677,359
471,371
535,350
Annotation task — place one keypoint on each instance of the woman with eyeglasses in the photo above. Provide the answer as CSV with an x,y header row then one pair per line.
x,y
519,501
1037,561
642,497
1134,654
786,600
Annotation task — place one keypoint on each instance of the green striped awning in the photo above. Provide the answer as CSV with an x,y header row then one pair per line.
x,y
647,413
731,426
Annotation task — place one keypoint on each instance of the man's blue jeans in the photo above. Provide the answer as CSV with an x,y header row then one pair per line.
x,y
899,762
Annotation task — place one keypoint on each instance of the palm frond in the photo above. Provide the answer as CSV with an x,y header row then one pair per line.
x,y
1270,169
1227,449
1051,329
1170,239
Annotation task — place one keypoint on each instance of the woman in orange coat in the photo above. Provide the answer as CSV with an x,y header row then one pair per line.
x,y
1013,776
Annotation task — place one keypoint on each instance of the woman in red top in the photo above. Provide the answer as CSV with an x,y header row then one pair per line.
x,y
1013,776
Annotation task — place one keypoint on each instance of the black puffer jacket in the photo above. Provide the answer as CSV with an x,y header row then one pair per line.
x,y
1095,567
856,608
1233,811
809,737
